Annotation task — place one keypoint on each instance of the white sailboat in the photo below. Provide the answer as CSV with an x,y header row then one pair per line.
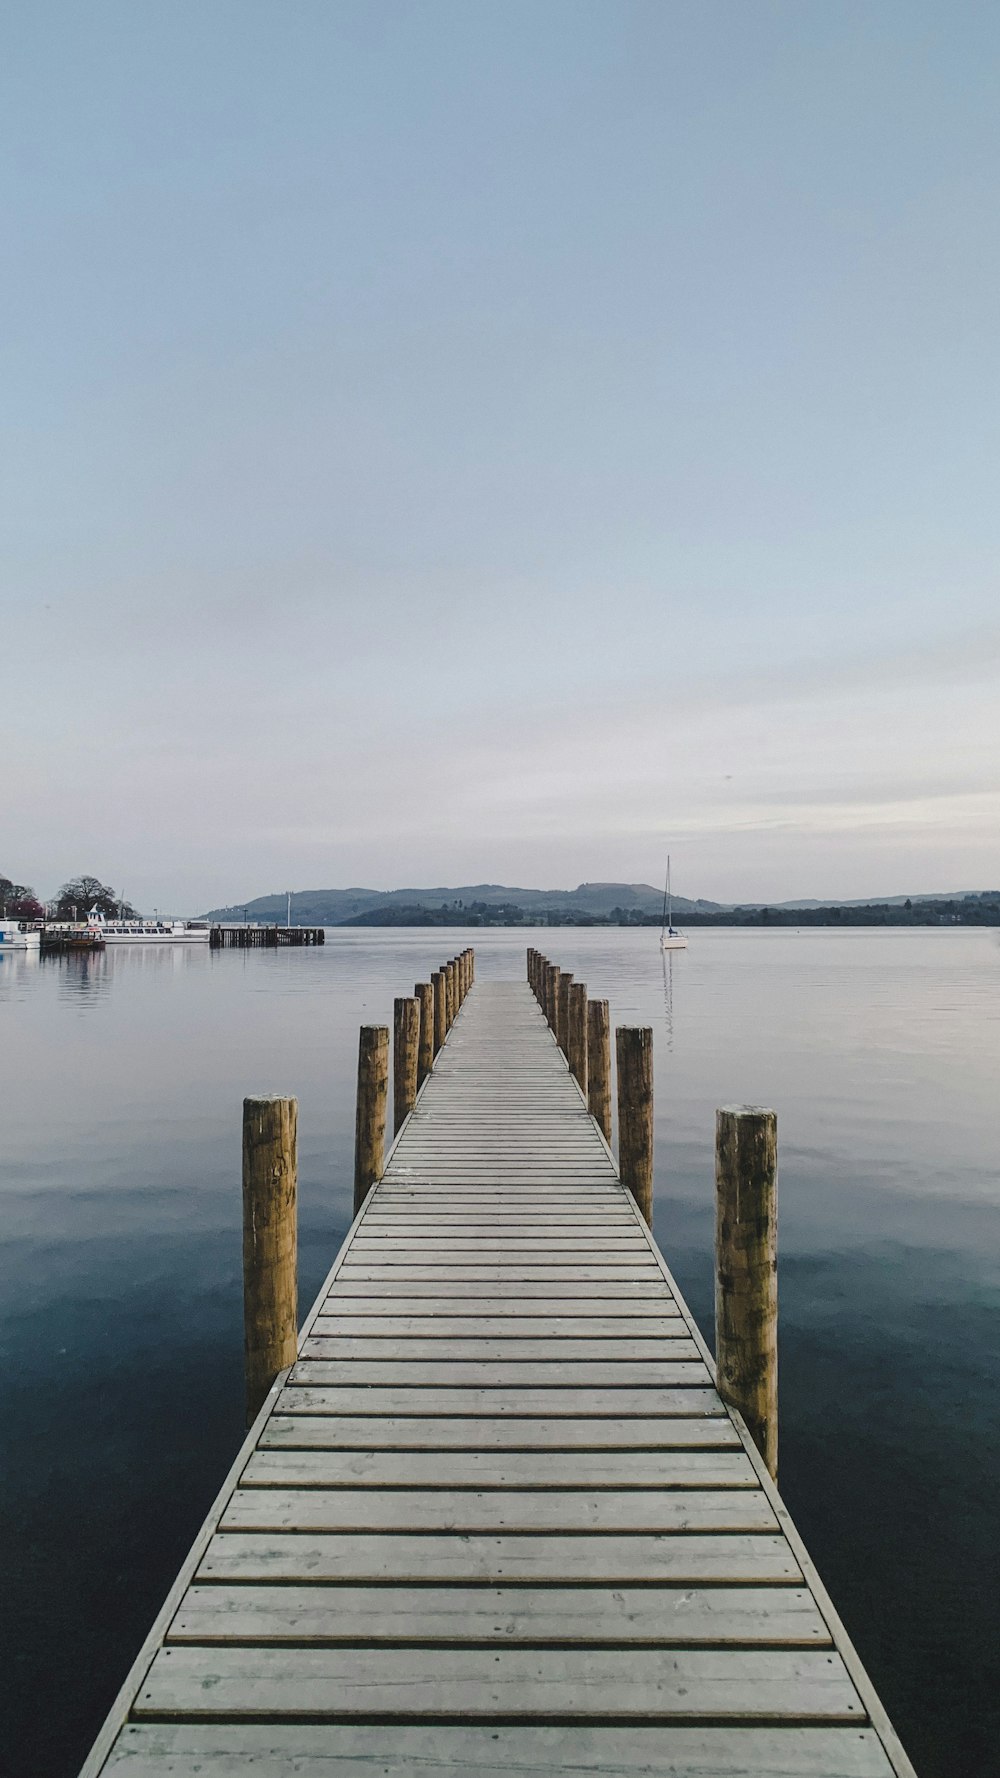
x,y
670,938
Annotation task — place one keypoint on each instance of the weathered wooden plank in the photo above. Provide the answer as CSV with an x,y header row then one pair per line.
x,y
459,1271
525,1336
441,1347
494,1403
350,1750
384,1247
314,1371
487,1469
607,1289
397,1510
564,1557
647,1315
563,1616
756,1685
410,1432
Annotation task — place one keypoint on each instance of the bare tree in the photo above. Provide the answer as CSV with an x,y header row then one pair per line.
x,y
80,894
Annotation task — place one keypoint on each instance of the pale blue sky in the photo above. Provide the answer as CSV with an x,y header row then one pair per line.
x,y
460,442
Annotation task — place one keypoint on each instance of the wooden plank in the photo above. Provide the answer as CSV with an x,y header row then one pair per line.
x,y
563,1557
415,1433
384,1247
524,1332
440,1346
495,1403
393,1750
607,1289
562,1616
651,1315
489,1469
771,1685
316,1371
609,1510
465,1272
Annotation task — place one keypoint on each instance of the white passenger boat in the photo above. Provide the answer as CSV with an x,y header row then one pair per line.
x,y
19,935
148,932
670,938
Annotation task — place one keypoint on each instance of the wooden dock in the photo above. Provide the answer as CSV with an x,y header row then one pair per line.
x,y
259,937
496,1520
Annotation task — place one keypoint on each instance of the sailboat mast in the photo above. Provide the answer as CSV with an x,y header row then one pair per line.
x,y
666,891
670,899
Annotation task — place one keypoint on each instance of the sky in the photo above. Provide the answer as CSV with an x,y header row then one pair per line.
x,y
448,442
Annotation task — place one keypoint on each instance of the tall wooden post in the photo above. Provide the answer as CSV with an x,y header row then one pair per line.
x,y
562,1014
450,1003
634,1051
599,1064
552,998
425,1043
746,1269
270,1280
373,1098
576,1034
405,1045
440,989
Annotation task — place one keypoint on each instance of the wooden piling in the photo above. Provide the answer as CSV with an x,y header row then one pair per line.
x,y
450,1005
562,1013
425,1043
599,1064
576,1034
746,1269
405,1046
270,1283
634,1052
552,997
373,1096
440,990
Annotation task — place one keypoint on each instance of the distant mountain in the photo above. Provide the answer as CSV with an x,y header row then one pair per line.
x,y
882,901
338,907
496,904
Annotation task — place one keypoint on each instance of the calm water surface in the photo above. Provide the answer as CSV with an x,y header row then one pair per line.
x,y
120,1294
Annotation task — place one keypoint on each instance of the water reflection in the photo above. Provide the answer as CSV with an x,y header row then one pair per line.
x,y
667,959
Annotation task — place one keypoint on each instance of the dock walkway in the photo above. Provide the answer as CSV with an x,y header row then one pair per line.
x,y
496,1520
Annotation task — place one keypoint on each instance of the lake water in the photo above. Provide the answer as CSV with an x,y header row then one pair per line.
x,y
120,1289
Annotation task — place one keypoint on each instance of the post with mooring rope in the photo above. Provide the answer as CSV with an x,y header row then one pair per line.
x,y
746,1269
370,1118
270,1258
634,1055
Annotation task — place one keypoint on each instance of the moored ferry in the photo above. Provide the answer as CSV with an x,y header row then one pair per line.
x,y
148,932
19,935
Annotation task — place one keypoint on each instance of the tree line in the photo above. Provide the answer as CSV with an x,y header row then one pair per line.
x,y
74,901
